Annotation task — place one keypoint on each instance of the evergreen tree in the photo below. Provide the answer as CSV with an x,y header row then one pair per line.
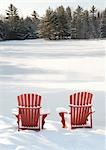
x,y
68,12
12,20
103,25
98,23
62,23
69,19
85,25
35,22
30,29
4,29
1,30
93,23
47,29
77,21
21,30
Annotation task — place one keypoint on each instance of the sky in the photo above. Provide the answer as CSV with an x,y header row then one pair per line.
x,y
26,7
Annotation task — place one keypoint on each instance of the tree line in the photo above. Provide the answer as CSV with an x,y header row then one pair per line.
x,y
61,23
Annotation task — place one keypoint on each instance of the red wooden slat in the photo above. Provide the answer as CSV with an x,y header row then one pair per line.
x,y
87,103
38,115
71,111
72,116
22,100
87,108
81,98
77,118
37,101
36,98
32,117
26,112
35,117
78,102
90,108
32,109
39,104
75,109
29,99
22,104
32,100
18,100
70,99
83,113
29,110
24,97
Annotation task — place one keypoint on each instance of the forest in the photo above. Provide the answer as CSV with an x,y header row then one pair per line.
x,y
58,24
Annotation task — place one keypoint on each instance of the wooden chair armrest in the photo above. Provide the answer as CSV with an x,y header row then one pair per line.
x,y
71,105
41,114
91,112
22,107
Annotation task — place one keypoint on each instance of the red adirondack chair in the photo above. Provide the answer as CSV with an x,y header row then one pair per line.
x,y
80,110
29,112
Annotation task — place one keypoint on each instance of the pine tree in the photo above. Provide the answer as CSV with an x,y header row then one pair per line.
x,y
69,19
93,23
103,25
4,29
12,20
21,30
29,26
77,21
62,23
68,12
1,30
47,29
35,22
98,23
85,25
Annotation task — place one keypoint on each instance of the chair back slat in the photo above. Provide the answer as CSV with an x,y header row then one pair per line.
x,y
79,114
36,100
32,100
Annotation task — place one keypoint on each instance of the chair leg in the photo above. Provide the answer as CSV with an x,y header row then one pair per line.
x,y
91,120
43,120
62,119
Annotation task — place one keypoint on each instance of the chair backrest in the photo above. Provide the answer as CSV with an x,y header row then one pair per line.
x,y
29,100
81,98
80,107
29,109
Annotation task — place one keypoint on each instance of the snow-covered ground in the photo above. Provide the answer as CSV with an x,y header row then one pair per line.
x,y
53,69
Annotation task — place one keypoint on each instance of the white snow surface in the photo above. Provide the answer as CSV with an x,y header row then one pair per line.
x,y
54,70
